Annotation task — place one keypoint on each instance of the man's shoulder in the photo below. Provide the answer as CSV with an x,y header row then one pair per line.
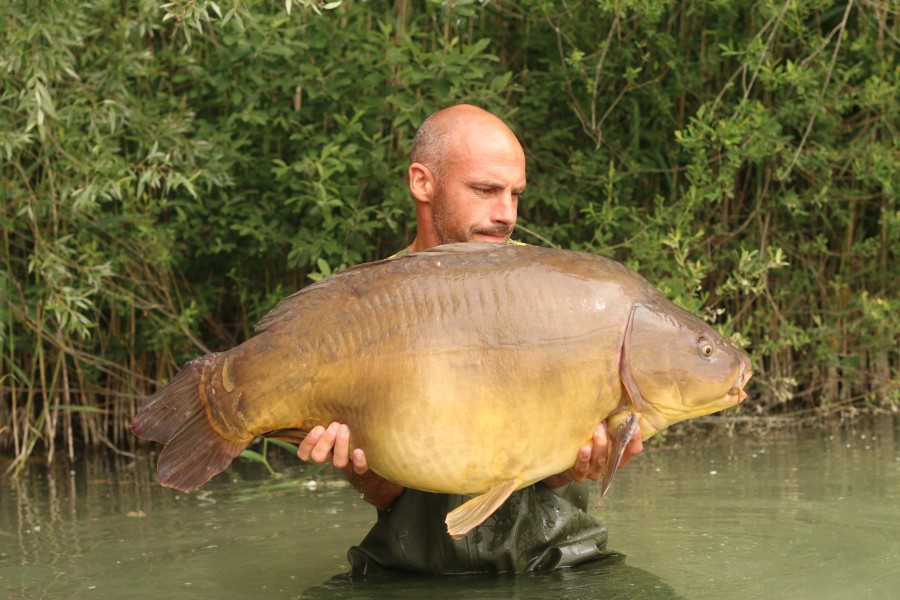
x,y
408,249
403,252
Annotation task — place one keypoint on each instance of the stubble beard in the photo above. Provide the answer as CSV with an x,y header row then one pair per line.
x,y
443,221
449,231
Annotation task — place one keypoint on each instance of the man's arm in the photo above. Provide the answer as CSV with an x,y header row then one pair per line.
x,y
333,444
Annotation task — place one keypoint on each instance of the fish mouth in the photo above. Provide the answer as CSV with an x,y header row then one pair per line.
x,y
738,388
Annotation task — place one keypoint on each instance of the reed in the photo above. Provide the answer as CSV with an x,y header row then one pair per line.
x,y
166,180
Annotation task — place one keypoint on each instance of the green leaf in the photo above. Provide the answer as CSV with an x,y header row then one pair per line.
x,y
291,448
254,456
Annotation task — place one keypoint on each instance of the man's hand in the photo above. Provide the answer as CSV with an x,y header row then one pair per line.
x,y
322,445
332,444
591,459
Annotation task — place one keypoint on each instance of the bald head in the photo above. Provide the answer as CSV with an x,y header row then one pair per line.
x,y
436,144
466,173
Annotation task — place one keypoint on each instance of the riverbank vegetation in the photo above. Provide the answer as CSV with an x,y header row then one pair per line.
x,y
168,172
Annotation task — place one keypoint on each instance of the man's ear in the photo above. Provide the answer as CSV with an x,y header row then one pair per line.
x,y
421,182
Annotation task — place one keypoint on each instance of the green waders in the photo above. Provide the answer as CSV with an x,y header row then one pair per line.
x,y
536,529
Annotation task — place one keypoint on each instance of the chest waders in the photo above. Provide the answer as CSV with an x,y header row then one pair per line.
x,y
536,529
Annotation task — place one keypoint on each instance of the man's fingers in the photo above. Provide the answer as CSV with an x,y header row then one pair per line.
x,y
599,452
341,447
360,464
321,452
582,464
304,451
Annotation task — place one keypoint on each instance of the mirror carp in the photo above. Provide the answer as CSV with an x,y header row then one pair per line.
x,y
470,368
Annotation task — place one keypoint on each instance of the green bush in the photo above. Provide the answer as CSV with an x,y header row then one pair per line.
x,y
168,172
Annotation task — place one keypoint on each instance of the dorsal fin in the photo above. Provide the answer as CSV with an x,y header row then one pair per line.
x,y
286,305
285,308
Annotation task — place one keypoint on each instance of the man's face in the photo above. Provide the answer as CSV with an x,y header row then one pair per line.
x,y
477,197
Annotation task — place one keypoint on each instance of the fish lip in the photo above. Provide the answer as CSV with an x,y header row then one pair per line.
x,y
738,388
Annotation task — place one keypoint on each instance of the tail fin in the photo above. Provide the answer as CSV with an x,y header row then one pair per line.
x,y
194,451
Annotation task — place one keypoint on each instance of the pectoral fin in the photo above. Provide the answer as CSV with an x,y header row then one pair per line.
x,y
474,512
623,434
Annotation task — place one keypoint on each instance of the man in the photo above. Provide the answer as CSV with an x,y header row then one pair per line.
x,y
466,174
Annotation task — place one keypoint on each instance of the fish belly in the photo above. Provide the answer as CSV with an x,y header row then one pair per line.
x,y
463,422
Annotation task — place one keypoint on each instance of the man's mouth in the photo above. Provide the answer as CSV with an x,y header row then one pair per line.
x,y
481,237
495,234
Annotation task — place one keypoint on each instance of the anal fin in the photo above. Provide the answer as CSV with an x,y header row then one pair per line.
x,y
473,513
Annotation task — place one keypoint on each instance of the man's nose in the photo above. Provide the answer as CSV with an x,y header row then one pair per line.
x,y
505,208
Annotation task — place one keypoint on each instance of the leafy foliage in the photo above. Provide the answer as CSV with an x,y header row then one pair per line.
x,y
170,170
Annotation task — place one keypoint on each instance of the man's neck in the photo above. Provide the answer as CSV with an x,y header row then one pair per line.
x,y
418,245
424,242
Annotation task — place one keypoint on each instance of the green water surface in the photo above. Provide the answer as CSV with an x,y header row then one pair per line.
x,y
811,513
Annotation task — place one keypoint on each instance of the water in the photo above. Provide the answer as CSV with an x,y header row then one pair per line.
x,y
807,514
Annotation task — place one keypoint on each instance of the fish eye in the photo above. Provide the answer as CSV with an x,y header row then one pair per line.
x,y
706,347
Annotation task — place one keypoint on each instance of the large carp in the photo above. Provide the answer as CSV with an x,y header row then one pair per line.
x,y
467,369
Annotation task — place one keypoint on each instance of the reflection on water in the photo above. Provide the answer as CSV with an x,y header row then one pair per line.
x,y
609,578
808,514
